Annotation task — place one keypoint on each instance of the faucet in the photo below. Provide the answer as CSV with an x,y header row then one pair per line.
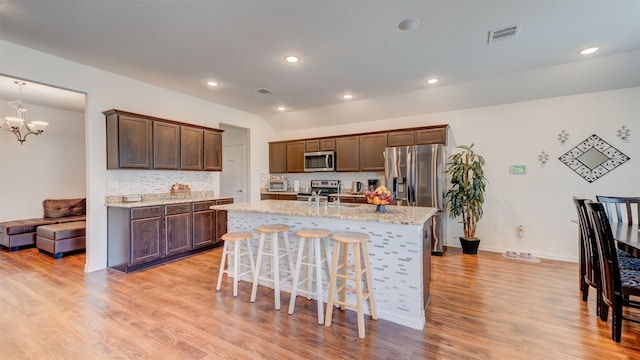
x,y
315,196
337,200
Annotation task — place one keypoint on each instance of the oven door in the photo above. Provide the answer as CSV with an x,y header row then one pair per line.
x,y
319,161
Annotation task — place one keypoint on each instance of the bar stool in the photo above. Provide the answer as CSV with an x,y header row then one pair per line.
x,y
272,276
235,238
360,255
313,260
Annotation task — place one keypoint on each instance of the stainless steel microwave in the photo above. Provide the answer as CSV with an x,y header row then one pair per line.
x,y
319,161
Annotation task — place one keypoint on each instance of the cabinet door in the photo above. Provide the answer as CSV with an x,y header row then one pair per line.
x,y
212,150
401,138
191,145
436,135
221,219
178,233
134,142
348,153
268,196
287,197
278,157
146,240
312,145
371,151
203,228
295,156
166,145
327,144
360,200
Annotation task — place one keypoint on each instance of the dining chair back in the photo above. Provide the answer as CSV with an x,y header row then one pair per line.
x,y
617,285
622,209
589,265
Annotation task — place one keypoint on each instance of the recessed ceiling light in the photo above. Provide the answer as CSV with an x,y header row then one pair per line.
x,y
347,96
212,83
432,81
281,108
408,24
588,51
292,59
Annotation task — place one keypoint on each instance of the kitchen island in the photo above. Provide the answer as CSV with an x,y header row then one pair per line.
x,y
399,247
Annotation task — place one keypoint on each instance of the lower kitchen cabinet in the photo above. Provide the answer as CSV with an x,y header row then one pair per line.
x,y
278,197
145,236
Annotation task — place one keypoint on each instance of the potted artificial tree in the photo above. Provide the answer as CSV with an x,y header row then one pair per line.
x,y
466,195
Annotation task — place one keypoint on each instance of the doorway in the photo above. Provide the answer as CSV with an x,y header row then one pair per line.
x,y
234,178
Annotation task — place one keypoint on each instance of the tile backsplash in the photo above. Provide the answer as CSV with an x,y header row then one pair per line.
x,y
127,182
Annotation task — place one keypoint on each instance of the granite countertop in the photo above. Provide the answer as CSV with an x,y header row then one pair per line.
x,y
160,201
278,192
405,215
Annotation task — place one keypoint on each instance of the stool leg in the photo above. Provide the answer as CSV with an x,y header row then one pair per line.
x,y
222,263
343,288
275,266
236,265
253,266
327,253
254,289
318,270
332,283
285,237
370,290
358,276
296,276
310,266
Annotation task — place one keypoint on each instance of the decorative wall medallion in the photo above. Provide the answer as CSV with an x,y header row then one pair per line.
x,y
593,158
563,136
624,133
543,157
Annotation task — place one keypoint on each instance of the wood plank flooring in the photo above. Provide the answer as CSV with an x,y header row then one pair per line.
x,y
482,307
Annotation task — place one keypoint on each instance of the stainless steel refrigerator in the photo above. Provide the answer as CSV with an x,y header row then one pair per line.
x,y
415,176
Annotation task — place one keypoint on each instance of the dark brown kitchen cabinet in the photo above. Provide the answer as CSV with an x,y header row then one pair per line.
x,y
191,145
371,151
204,224
166,145
146,234
295,156
314,145
278,157
348,153
221,219
128,141
278,196
432,135
212,150
401,138
178,228
269,196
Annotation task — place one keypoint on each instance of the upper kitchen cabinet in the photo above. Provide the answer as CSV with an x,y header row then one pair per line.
x,y
212,150
315,145
295,156
278,157
137,141
401,138
166,145
432,135
371,151
128,141
348,153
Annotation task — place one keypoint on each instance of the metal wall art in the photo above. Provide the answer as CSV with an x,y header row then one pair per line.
x,y
563,136
624,133
543,157
593,158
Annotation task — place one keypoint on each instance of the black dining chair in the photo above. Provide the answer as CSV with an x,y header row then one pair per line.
x,y
589,266
618,285
621,209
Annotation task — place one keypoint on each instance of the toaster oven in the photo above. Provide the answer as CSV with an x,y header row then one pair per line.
x,y
277,185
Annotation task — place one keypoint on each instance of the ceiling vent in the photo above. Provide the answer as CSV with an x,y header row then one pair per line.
x,y
263,91
504,33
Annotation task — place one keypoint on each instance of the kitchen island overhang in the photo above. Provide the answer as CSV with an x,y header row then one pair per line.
x,y
399,246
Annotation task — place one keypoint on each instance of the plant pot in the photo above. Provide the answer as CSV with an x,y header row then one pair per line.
x,y
469,246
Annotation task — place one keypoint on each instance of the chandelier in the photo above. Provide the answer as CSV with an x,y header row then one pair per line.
x,y
17,124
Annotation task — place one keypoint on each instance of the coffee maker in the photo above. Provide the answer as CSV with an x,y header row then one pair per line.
x,y
373,184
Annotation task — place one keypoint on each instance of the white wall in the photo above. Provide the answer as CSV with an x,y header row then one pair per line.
x,y
106,91
48,166
516,134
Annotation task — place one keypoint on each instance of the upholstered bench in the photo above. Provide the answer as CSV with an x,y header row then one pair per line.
x,y
57,239
17,233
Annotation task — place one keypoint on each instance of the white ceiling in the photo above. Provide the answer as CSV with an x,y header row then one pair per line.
x,y
350,46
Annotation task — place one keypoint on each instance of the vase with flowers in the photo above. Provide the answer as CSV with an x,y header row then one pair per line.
x,y
380,197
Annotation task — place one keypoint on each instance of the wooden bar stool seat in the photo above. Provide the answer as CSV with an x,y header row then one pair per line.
x,y
277,252
342,270
312,259
236,238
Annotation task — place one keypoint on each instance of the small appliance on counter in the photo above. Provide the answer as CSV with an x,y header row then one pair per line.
x,y
372,184
277,183
356,187
131,198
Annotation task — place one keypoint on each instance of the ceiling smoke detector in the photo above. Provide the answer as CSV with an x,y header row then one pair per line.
x,y
504,33
263,91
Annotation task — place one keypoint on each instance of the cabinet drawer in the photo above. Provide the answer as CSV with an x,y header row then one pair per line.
x,y
146,212
202,206
224,201
178,209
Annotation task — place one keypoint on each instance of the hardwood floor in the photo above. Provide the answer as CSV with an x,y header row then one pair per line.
x,y
482,307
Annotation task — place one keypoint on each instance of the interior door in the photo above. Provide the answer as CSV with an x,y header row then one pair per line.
x,y
232,178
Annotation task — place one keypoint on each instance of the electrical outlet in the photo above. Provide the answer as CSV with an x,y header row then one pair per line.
x,y
520,231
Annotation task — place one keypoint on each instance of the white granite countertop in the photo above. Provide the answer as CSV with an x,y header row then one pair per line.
x,y
404,215
156,202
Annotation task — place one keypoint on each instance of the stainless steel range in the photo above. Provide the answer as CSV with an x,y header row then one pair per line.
x,y
323,187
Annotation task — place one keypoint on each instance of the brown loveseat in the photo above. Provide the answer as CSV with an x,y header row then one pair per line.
x,y
14,234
